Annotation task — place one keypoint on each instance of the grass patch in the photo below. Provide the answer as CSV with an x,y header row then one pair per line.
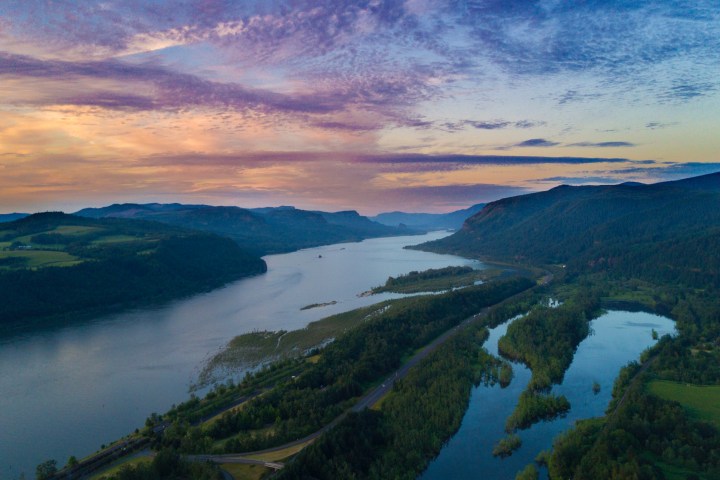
x,y
43,258
219,445
701,401
378,405
211,421
115,239
72,230
75,230
240,471
280,454
672,472
115,467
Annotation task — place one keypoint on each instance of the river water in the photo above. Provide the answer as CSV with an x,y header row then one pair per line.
x,y
618,338
67,390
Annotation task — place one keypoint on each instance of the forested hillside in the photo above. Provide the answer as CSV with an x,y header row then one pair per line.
x,y
590,224
262,230
52,265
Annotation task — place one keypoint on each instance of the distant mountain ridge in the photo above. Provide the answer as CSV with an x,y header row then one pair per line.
x,y
428,221
10,217
601,225
261,230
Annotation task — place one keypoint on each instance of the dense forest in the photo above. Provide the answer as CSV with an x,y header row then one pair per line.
x,y
60,265
546,338
424,409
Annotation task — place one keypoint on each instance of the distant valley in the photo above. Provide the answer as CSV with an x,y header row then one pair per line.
x,y
428,221
9,217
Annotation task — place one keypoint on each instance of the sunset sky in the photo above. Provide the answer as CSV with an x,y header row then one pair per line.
x,y
417,105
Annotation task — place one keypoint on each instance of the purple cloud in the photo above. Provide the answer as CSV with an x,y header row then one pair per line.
x,y
601,144
417,161
176,90
489,125
658,125
536,142
580,180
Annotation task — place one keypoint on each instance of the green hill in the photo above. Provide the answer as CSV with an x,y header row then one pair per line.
x,y
671,229
57,265
262,230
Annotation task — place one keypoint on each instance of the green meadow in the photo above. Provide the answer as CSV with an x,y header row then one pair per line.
x,y
702,401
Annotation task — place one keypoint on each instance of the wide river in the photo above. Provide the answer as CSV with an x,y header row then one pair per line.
x,y
66,391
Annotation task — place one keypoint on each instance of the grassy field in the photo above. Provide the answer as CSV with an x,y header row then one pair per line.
x,y
280,454
673,472
63,230
55,255
245,472
701,401
262,432
42,258
75,230
115,239
116,466
209,422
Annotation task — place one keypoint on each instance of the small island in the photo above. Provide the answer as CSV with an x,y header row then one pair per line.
x,y
433,280
319,305
506,446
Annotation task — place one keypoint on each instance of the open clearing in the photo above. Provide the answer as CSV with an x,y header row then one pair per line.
x,y
280,454
115,467
702,401
43,258
240,471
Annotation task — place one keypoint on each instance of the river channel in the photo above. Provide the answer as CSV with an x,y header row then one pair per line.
x,y
618,337
66,391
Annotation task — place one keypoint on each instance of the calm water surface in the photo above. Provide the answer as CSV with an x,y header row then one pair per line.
x,y
67,391
619,337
